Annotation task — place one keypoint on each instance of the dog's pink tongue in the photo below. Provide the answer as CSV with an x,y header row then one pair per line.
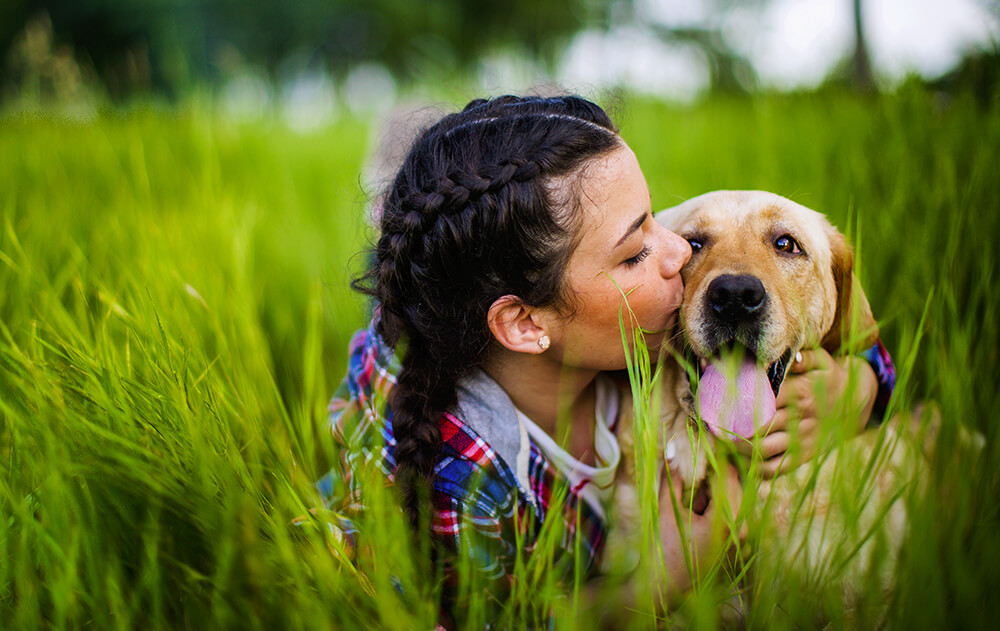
x,y
731,398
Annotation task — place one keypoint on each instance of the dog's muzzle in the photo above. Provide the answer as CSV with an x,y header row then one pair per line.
x,y
737,389
736,299
736,309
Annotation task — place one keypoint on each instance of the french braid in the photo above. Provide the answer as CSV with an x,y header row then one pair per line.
x,y
471,217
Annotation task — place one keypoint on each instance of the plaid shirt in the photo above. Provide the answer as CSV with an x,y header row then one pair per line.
x,y
479,511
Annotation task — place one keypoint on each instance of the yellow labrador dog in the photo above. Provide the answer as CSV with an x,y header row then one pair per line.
x,y
768,278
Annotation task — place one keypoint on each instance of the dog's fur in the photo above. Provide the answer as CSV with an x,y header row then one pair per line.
x,y
812,300
812,297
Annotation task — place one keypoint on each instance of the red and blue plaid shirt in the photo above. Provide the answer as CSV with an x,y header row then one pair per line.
x,y
479,510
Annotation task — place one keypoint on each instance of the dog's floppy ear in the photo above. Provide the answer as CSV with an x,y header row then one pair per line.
x,y
854,328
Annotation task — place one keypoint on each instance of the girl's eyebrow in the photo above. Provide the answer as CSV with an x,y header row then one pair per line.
x,y
635,226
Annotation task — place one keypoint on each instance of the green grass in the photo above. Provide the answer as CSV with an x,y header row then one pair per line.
x,y
174,314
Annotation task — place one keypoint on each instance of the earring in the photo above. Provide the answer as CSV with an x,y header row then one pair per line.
x,y
543,342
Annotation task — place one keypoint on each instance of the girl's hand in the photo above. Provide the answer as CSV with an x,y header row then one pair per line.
x,y
816,385
705,536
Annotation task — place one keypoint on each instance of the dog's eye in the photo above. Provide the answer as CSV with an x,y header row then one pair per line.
x,y
785,243
695,244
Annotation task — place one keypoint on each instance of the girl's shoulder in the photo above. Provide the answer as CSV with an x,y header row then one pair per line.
x,y
361,423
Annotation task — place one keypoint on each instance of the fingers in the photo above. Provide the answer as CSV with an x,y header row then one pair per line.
x,y
776,466
815,367
750,446
782,450
774,444
788,420
778,422
786,453
847,382
814,388
813,359
778,442
785,462
797,389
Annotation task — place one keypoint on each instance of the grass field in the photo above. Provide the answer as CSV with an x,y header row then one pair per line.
x,y
174,314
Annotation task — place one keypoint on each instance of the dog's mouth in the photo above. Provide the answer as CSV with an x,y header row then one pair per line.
x,y
736,391
776,371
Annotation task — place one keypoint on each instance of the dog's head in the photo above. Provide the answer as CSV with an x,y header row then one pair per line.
x,y
767,278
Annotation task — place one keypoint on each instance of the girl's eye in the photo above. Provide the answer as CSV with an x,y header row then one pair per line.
x,y
785,243
638,258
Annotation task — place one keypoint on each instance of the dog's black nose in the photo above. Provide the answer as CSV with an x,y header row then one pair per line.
x,y
735,298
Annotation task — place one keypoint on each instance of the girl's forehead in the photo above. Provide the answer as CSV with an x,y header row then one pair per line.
x,y
613,199
612,191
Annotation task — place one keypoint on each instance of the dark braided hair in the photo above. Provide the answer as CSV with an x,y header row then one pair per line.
x,y
473,214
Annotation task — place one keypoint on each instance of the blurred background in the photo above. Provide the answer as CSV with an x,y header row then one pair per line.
x,y
183,196
310,60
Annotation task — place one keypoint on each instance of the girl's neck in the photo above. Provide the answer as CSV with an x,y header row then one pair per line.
x,y
554,396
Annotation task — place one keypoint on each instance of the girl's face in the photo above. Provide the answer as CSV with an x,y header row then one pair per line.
x,y
619,243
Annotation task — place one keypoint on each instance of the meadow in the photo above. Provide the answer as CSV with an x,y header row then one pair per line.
x,y
175,311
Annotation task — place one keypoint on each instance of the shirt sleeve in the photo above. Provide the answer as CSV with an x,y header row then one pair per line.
x,y
356,424
885,371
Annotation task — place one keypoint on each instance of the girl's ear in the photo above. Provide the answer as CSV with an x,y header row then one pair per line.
x,y
515,325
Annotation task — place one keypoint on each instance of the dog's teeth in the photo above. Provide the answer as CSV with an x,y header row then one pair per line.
x,y
671,450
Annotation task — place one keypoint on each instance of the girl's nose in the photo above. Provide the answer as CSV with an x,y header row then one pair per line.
x,y
677,253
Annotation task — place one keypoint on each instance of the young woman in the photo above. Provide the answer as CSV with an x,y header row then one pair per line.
x,y
507,239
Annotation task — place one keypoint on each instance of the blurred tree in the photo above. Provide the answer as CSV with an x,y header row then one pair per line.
x,y
978,74
41,72
861,63
165,45
730,72
131,46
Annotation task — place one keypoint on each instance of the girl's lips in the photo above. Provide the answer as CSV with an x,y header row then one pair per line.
x,y
668,325
674,309
671,321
